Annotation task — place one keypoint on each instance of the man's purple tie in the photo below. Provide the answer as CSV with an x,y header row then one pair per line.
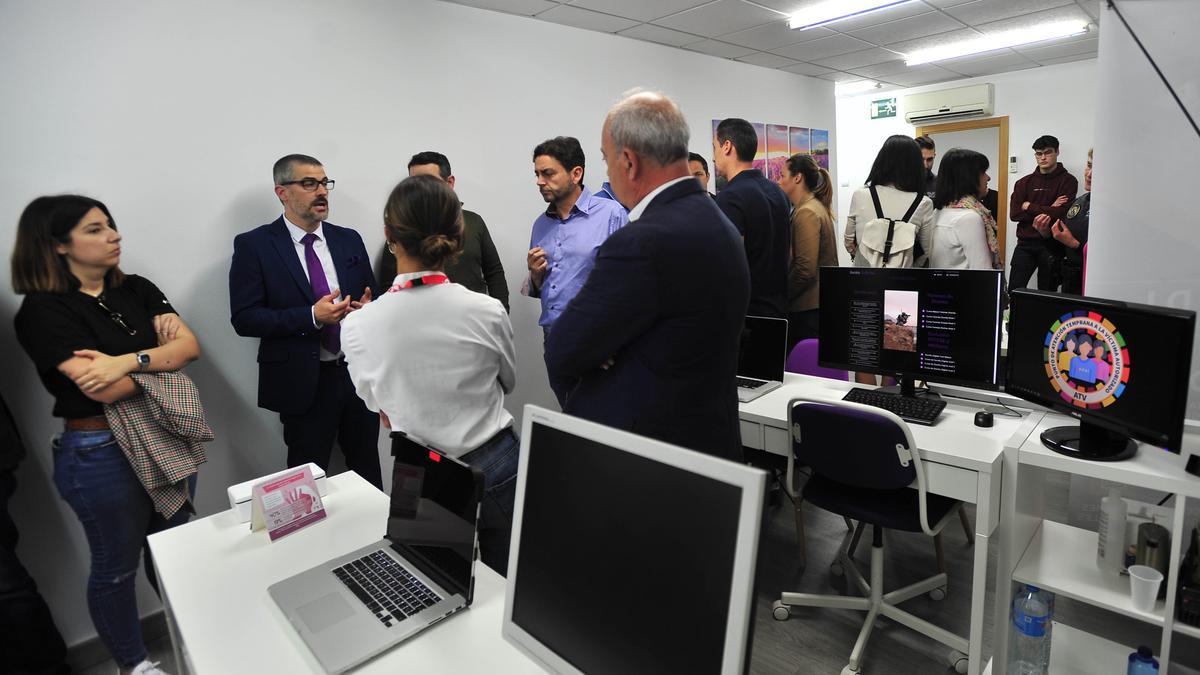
x,y
331,335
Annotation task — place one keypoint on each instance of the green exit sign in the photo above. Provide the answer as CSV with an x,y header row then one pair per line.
x,y
883,108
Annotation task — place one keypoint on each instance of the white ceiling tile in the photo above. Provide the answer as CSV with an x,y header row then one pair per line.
x,y
722,49
983,11
823,48
911,28
640,10
583,18
1065,13
522,7
926,74
988,64
882,70
720,18
880,16
838,76
663,36
1067,59
773,35
933,41
786,6
946,3
809,69
1050,50
866,57
767,60
1092,7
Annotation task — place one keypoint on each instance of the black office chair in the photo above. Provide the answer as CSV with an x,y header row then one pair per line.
x,y
868,481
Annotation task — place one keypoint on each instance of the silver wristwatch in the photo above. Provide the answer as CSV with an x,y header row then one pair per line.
x,y
143,360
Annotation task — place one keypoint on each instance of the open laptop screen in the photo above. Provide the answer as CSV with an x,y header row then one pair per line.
x,y
433,512
625,563
762,351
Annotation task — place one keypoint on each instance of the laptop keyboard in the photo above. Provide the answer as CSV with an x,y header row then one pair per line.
x,y
747,383
917,410
389,590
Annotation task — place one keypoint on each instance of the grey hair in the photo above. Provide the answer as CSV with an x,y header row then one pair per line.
x,y
650,124
282,171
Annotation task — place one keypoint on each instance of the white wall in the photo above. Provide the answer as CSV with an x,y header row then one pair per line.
x,y
1142,244
172,113
1058,100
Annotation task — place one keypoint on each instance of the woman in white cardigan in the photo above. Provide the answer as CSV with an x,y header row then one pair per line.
x,y
964,231
898,175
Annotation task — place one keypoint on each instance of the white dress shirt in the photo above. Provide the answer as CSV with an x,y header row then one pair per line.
x,y
437,360
326,259
637,211
959,241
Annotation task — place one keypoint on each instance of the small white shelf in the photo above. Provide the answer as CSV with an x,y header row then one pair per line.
x,y
1062,559
1076,652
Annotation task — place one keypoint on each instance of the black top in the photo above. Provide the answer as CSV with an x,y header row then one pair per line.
x,y
930,183
1076,221
12,450
762,214
478,267
51,326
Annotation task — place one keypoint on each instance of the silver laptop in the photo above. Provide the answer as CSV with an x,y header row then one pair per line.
x,y
762,355
358,605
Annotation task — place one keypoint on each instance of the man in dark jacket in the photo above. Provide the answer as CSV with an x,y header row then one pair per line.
x,y
29,640
1048,190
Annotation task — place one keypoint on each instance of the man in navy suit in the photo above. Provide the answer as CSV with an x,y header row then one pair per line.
x,y
651,340
285,286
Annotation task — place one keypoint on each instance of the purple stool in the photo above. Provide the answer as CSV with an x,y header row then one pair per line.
x,y
803,360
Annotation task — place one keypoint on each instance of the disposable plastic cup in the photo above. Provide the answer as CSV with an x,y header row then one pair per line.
x,y
1143,586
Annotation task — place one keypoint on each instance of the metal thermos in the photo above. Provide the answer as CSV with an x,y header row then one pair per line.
x,y
1154,549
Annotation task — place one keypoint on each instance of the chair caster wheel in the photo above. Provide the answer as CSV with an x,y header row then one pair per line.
x,y
780,611
958,661
938,594
848,671
836,569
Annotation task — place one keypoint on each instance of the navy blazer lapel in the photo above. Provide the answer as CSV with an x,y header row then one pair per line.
x,y
679,190
286,248
337,251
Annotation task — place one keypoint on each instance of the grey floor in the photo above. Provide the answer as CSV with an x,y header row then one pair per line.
x,y
818,641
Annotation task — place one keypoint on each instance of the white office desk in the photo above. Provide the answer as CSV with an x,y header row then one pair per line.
x,y
214,575
961,460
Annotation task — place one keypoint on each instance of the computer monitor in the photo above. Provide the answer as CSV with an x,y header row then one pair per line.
x,y
1122,369
629,555
916,324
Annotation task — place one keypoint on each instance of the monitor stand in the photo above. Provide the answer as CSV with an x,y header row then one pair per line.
x,y
1089,441
907,387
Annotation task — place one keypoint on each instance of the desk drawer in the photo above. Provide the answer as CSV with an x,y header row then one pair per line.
x,y
751,434
951,481
777,441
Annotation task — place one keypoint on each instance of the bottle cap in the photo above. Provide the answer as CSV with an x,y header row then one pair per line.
x,y
1144,653
1032,589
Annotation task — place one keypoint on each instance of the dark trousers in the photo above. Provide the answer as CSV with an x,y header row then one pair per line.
x,y
29,640
1072,278
803,326
497,460
338,414
1043,256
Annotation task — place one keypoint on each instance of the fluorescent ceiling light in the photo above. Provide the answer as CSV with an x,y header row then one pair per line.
x,y
836,10
1001,40
852,88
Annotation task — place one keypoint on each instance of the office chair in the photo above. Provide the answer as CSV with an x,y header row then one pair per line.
x,y
803,360
868,480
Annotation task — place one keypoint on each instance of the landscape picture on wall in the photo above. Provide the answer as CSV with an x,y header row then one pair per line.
x,y
777,142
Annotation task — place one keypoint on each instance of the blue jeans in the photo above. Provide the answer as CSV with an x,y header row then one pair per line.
x,y
497,459
95,479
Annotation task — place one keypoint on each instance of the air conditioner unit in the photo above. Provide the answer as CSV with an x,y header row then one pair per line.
x,y
949,104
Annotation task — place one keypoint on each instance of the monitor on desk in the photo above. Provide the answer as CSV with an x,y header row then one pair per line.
x,y
628,554
916,324
1122,369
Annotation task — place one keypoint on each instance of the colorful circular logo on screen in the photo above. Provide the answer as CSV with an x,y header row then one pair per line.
x,y
1086,360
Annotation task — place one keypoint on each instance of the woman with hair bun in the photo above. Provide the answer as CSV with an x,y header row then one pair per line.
x,y
814,242
435,359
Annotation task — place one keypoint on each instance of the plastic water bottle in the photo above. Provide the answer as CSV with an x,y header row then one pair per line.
x,y
1142,662
1029,633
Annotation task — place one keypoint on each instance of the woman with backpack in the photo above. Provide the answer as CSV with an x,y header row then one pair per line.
x,y
890,219
964,231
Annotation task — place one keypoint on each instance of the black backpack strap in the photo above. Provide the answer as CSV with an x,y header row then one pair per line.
x,y
875,200
912,209
887,245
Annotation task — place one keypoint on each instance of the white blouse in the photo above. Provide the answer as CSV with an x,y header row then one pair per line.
x,y
959,241
437,360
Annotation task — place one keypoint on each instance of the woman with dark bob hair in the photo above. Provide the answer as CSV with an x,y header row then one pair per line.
x,y
87,327
964,231
898,177
435,359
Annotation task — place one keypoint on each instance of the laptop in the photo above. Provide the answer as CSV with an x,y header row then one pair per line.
x,y
358,605
762,355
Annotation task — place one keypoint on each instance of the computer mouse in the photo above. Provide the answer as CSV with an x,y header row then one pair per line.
x,y
983,418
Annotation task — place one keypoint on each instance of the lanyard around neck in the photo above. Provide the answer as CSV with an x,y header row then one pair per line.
x,y
427,280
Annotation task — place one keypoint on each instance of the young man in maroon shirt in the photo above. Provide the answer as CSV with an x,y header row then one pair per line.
x,y
1048,190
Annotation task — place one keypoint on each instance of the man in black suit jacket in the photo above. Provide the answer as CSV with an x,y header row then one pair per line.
x,y
651,340
286,283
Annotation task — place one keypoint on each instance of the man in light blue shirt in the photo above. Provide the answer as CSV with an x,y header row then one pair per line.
x,y
562,247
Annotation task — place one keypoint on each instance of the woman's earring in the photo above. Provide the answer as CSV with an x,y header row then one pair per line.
x,y
390,248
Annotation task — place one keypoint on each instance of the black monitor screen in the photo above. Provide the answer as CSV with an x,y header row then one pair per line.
x,y
625,564
762,352
1118,365
931,324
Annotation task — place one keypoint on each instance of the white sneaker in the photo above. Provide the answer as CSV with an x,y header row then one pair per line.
x,y
148,667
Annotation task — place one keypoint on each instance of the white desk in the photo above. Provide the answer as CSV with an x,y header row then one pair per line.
x,y
214,575
961,460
